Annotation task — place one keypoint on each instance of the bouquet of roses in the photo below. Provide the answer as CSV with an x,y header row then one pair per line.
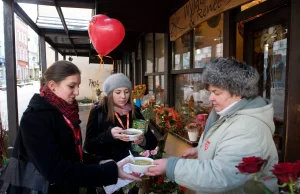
x,y
253,165
287,173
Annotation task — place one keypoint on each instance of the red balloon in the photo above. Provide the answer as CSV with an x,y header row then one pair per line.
x,y
105,33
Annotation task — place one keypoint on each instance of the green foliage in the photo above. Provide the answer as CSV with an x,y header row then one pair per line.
x,y
164,186
3,144
149,113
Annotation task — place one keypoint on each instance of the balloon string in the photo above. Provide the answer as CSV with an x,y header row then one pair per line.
x,y
102,63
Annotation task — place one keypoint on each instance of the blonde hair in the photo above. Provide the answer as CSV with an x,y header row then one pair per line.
x,y
108,107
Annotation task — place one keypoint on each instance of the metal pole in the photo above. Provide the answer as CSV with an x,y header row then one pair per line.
x,y
43,53
10,63
56,55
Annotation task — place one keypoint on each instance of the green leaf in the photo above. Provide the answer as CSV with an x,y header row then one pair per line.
x,y
252,186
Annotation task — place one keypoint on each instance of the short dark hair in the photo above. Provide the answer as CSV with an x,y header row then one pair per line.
x,y
60,70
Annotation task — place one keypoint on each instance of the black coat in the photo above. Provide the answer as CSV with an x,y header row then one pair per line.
x,y
99,140
49,144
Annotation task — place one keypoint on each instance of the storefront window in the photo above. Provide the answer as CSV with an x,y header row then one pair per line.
x,y
270,46
159,52
208,38
150,85
191,95
159,89
182,52
149,53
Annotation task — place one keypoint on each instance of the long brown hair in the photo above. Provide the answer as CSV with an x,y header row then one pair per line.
x,y
108,107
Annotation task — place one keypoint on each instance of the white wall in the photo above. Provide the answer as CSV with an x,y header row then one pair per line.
x,y
88,71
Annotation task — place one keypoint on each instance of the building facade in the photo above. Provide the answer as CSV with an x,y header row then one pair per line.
x,y
2,53
33,55
21,49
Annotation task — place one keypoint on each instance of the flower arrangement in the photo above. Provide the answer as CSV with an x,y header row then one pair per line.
x,y
287,173
149,107
154,154
162,185
168,118
138,91
3,145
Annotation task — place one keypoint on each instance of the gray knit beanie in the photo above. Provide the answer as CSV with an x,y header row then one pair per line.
x,y
115,81
232,75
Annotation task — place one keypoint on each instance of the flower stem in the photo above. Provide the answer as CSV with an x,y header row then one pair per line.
x,y
291,188
255,177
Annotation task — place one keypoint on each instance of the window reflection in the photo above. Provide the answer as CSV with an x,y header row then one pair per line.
x,y
270,46
182,52
149,53
150,85
159,52
159,89
208,38
191,95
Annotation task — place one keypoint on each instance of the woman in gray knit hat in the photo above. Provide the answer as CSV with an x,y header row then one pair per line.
x,y
239,125
108,121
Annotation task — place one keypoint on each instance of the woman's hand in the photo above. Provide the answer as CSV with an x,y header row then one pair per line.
x,y
190,153
159,169
139,140
117,133
124,175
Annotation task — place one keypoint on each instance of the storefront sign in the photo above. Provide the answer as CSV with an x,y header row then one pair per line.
x,y
195,12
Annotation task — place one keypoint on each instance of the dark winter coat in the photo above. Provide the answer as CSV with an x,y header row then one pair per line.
x,y
99,140
49,144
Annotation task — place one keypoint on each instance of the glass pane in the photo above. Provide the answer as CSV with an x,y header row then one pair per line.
x,y
77,21
270,47
149,53
159,89
31,10
150,85
191,95
251,4
3,95
159,52
208,38
27,69
33,55
48,17
128,70
182,52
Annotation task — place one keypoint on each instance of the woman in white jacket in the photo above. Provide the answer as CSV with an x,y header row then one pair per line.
x,y
239,125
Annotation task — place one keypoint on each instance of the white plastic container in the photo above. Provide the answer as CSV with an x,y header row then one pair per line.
x,y
193,134
140,168
133,134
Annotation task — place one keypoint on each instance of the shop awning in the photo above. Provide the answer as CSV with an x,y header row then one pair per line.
x,y
64,22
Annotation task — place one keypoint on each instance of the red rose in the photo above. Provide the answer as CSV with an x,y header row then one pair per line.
x,y
286,172
251,164
167,118
183,189
160,180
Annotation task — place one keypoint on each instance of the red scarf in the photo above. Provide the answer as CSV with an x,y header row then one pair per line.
x,y
70,113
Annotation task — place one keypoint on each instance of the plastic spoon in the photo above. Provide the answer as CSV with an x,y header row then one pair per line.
x,y
131,157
